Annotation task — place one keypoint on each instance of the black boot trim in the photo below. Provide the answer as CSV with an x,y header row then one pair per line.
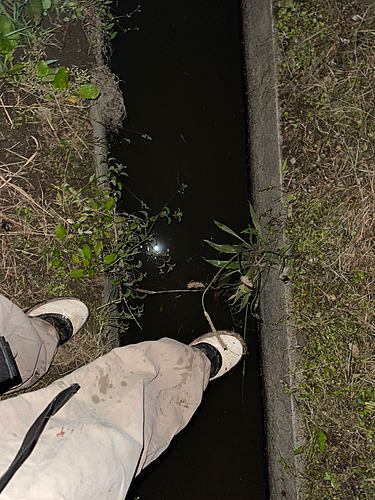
x,y
61,323
213,355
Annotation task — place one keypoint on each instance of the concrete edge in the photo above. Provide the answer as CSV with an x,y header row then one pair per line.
x,y
100,149
284,432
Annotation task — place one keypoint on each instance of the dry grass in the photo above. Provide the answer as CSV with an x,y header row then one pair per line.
x,y
327,91
46,148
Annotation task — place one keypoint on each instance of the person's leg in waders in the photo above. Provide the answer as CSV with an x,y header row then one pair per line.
x,y
28,342
130,404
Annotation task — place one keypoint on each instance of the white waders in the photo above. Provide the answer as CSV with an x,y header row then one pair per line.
x,y
131,403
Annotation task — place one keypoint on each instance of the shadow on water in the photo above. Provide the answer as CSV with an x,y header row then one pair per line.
x,y
182,79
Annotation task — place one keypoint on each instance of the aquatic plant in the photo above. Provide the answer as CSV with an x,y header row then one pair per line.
x,y
239,276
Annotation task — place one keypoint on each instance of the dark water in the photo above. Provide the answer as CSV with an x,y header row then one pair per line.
x,y
183,86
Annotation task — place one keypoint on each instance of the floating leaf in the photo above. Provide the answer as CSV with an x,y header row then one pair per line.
x,y
88,91
60,231
61,80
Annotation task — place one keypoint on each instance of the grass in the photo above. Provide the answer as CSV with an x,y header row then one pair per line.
x,y
60,231
327,91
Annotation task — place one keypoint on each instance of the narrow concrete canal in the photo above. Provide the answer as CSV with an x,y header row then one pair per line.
x,y
182,79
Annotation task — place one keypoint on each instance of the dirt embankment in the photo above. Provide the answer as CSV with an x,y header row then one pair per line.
x,y
55,223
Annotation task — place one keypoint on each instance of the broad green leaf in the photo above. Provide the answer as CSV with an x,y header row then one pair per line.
x,y
34,10
6,25
5,45
91,272
79,273
98,247
14,70
87,251
42,68
88,91
8,31
108,259
75,259
46,4
109,203
299,450
8,39
223,248
60,231
56,263
61,80
85,263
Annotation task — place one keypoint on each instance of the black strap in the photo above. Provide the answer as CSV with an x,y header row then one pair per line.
x,y
9,374
35,431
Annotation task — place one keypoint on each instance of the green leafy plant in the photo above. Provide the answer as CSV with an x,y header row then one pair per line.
x,y
97,240
239,276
